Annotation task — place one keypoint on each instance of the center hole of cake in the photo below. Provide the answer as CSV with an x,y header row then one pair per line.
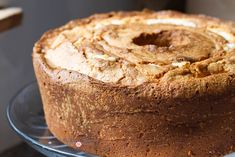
x,y
161,39
164,38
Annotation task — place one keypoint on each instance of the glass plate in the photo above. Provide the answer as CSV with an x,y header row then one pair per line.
x,y
25,115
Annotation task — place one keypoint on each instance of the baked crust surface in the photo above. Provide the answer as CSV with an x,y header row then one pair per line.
x,y
140,84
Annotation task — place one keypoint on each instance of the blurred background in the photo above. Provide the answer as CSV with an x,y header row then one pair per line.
x,y
40,15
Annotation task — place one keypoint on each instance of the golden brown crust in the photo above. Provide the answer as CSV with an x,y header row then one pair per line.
x,y
154,118
131,48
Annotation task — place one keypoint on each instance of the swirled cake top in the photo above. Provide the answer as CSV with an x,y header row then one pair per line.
x,y
137,47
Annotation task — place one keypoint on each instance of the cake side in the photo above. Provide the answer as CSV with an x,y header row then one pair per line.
x,y
158,117
107,120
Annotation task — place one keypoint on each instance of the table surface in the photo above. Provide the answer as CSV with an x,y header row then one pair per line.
x,y
10,17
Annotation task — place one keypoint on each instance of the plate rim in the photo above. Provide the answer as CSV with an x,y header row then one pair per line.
x,y
22,135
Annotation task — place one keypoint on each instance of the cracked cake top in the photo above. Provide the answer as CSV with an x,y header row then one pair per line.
x,y
138,47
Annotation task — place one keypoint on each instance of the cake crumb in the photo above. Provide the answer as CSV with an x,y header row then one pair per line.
x,y
190,153
78,144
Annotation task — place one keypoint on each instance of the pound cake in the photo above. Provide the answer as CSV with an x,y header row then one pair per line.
x,y
136,84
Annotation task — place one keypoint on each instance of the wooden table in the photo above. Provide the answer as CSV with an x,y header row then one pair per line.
x,y
10,17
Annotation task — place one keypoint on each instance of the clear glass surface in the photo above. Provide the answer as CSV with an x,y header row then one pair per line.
x,y
26,117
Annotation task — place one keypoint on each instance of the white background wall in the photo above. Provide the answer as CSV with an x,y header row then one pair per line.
x,y
16,45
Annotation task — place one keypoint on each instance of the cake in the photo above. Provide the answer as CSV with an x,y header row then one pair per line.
x,y
141,83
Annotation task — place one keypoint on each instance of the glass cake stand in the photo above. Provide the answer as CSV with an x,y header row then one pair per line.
x,y
25,115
